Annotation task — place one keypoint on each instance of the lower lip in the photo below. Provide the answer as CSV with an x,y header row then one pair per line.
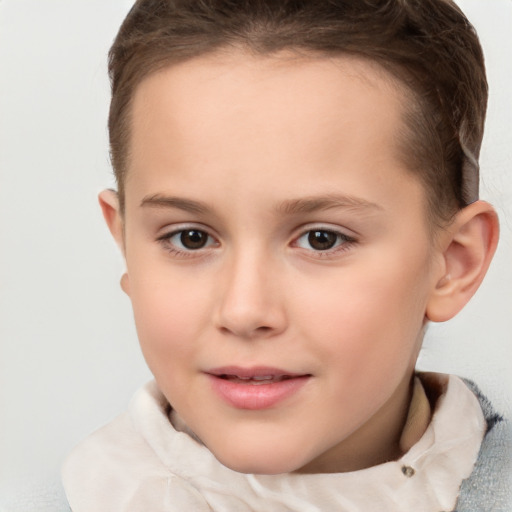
x,y
256,396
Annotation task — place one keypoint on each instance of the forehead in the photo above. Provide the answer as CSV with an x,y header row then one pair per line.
x,y
285,88
239,113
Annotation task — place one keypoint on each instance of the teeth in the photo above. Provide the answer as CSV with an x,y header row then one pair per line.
x,y
257,379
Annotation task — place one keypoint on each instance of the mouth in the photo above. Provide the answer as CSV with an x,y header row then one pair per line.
x,y
255,375
256,380
255,388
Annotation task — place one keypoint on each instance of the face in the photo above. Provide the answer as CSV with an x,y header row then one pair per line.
x,y
278,257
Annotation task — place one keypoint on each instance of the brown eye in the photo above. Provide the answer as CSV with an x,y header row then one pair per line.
x,y
187,241
321,240
324,240
193,239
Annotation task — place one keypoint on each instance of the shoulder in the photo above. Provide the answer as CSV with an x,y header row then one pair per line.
x,y
106,468
103,467
119,467
489,486
119,444
115,445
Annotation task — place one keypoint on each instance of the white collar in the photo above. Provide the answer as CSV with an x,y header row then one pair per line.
x,y
426,479
141,462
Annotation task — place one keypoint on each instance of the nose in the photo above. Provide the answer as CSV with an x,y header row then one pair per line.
x,y
251,303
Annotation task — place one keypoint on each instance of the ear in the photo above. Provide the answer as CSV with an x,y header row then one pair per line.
x,y
467,247
109,203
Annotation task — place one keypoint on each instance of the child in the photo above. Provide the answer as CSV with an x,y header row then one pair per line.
x,y
297,199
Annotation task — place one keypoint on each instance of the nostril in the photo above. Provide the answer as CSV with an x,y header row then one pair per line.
x,y
261,331
249,318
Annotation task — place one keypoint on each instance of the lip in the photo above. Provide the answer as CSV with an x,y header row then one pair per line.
x,y
245,388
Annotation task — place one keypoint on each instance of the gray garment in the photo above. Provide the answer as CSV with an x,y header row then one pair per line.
x,y
489,488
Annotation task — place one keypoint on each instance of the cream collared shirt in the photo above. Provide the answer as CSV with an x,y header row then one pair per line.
x,y
140,462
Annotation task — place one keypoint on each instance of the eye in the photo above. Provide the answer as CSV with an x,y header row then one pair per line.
x,y
322,239
185,240
192,239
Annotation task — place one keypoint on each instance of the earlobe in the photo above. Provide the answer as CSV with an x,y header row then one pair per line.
x,y
125,283
109,203
468,248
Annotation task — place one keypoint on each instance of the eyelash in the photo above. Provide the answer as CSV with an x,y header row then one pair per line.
x,y
342,243
166,242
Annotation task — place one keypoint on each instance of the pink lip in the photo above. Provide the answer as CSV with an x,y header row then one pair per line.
x,y
255,394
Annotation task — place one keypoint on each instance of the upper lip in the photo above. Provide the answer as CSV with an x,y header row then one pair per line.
x,y
256,371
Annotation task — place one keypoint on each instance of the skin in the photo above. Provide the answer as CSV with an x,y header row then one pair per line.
x,y
245,150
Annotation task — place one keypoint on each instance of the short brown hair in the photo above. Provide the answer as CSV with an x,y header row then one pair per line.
x,y
428,45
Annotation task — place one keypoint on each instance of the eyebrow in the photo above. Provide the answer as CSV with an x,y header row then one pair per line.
x,y
188,205
322,203
289,207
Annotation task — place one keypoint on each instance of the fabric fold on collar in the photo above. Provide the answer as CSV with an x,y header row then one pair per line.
x,y
144,461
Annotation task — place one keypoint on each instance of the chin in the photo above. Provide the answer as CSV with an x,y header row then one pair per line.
x,y
268,464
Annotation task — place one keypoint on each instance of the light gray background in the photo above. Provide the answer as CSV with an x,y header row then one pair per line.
x,y
69,359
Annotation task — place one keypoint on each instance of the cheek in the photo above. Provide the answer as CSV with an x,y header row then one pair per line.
x,y
168,316
370,315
